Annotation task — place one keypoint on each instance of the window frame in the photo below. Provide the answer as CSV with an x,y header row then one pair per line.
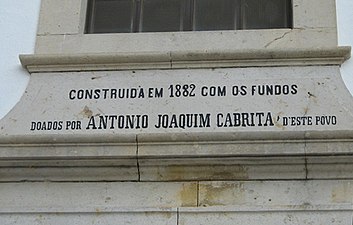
x,y
187,20
61,31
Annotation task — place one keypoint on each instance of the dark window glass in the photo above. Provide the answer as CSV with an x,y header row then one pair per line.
x,y
110,16
260,14
215,15
124,16
161,15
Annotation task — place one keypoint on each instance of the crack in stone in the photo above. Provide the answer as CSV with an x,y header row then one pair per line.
x,y
305,158
177,216
276,39
137,161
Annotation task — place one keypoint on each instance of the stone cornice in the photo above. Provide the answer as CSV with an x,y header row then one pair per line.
x,y
160,157
245,137
182,60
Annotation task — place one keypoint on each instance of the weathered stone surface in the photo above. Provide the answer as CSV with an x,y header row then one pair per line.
x,y
61,17
243,132
257,217
189,101
310,38
186,59
278,193
222,168
304,84
87,197
309,14
95,218
226,202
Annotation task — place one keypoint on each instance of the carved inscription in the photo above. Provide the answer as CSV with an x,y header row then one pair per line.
x,y
182,90
189,118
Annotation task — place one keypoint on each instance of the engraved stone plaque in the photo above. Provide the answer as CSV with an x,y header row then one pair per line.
x,y
183,101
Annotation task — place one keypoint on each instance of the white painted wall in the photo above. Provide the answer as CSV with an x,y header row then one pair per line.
x,y
345,37
18,25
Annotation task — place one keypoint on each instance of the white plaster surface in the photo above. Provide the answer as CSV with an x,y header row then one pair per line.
x,y
345,37
18,27
18,22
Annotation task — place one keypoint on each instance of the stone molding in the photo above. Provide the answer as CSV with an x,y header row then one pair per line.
x,y
237,156
183,60
203,202
214,209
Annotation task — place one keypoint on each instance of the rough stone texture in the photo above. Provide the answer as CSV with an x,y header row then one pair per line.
x,y
242,152
60,17
222,168
315,217
280,193
95,196
185,59
226,202
230,168
161,42
310,14
96,218
312,91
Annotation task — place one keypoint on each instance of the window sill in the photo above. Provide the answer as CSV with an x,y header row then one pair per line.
x,y
184,60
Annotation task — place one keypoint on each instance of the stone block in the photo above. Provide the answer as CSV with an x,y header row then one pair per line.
x,y
87,197
222,169
275,193
60,17
96,218
314,13
273,217
310,38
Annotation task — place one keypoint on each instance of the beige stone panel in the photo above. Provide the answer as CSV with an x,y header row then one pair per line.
x,y
275,193
184,173
60,17
285,170
330,159
70,173
70,150
222,169
180,60
330,171
314,13
37,160
48,99
188,41
32,162
47,43
96,218
270,217
95,196
323,147
220,148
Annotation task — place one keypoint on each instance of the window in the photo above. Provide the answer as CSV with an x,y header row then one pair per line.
x,y
131,16
63,27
